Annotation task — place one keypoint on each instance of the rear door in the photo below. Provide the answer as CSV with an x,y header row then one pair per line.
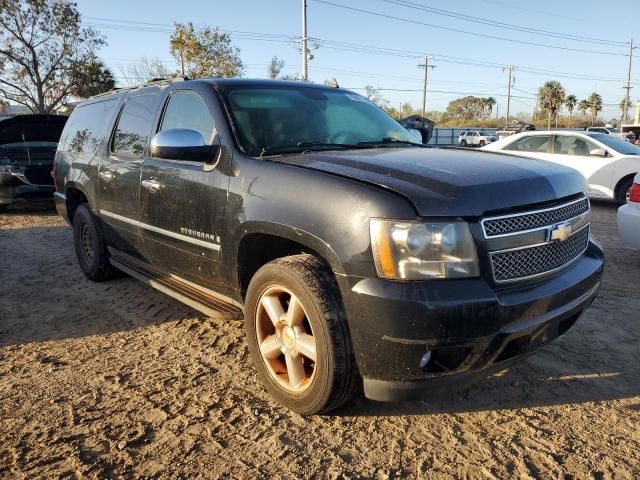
x,y
534,146
119,172
183,202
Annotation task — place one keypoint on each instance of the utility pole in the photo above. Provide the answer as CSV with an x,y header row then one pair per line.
x,y
305,50
511,79
426,67
627,85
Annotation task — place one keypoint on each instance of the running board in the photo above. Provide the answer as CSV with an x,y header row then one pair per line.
x,y
202,299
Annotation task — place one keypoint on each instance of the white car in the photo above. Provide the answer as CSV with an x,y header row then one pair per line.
x,y
629,217
474,138
608,163
608,130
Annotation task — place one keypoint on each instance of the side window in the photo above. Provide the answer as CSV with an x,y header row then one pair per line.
x,y
476,134
134,126
187,109
570,145
533,143
87,126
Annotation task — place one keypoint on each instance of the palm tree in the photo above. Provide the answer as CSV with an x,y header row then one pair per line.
x,y
571,101
583,106
595,105
489,103
551,98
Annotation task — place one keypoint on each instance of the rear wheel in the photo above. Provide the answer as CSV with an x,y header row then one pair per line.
x,y
482,143
463,143
623,191
90,246
298,336
3,208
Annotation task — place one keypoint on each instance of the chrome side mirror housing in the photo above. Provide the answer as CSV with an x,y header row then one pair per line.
x,y
182,144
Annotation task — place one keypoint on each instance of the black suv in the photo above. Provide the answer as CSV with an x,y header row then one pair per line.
x,y
357,256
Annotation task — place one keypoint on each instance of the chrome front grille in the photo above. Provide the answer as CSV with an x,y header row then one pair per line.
x,y
522,222
532,261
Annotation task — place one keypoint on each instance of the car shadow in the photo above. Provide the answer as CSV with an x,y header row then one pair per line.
x,y
44,297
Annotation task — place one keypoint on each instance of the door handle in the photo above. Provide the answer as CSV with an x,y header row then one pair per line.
x,y
152,185
106,175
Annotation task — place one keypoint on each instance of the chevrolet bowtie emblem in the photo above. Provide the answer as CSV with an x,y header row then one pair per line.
x,y
560,232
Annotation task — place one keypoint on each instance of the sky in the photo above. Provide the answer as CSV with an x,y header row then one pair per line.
x,y
384,39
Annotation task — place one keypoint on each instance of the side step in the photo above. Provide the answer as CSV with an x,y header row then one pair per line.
x,y
202,299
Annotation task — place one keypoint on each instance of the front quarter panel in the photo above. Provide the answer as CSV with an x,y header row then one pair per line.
x,y
327,213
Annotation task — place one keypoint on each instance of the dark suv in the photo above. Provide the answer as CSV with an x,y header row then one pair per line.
x,y
356,256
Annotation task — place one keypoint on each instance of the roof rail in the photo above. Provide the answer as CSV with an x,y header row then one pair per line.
x,y
153,81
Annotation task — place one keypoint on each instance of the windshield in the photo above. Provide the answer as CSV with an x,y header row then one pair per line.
x,y
274,120
613,130
620,146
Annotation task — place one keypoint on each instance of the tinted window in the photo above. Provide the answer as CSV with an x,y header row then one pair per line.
x,y
87,126
617,144
537,143
187,109
134,126
270,117
568,145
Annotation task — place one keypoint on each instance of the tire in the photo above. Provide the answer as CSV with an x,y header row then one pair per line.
x,y
329,381
463,143
4,208
623,191
90,247
482,143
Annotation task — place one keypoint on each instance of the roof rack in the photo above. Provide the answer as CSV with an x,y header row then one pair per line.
x,y
153,81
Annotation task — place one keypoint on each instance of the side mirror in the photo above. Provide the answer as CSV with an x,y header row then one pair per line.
x,y
598,152
182,144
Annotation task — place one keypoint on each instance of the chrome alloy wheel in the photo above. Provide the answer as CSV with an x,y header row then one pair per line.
x,y
285,339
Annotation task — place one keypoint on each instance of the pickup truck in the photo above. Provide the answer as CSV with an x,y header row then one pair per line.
x,y
358,258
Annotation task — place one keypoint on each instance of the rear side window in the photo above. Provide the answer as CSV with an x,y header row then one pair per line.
x,y
134,126
187,109
534,143
87,126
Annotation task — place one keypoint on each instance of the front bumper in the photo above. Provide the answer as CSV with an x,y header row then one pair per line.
x,y
412,337
13,189
629,224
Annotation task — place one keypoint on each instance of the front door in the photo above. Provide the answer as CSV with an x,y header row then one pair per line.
x,y
183,202
574,151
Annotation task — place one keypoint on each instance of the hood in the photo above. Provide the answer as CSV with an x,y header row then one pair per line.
x,y
450,182
31,128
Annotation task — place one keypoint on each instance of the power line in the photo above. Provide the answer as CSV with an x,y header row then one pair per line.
x,y
508,26
466,32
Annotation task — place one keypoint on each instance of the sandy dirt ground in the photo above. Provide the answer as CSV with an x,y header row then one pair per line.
x,y
116,380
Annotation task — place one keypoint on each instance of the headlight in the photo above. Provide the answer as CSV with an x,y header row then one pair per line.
x,y
413,251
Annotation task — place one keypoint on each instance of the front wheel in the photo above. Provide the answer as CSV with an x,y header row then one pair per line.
x,y
298,337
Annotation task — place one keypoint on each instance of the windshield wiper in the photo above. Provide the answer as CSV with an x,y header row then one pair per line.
x,y
306,146
390,142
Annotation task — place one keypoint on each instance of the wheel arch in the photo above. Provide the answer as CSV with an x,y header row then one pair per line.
x,y
621,182
75,196
262,242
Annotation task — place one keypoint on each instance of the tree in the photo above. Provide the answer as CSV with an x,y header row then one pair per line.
x,y
92,79
487,107
595,105
570,101
375,96
583,106
466,108
147,69
275,67
43,51
550,98
205,52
